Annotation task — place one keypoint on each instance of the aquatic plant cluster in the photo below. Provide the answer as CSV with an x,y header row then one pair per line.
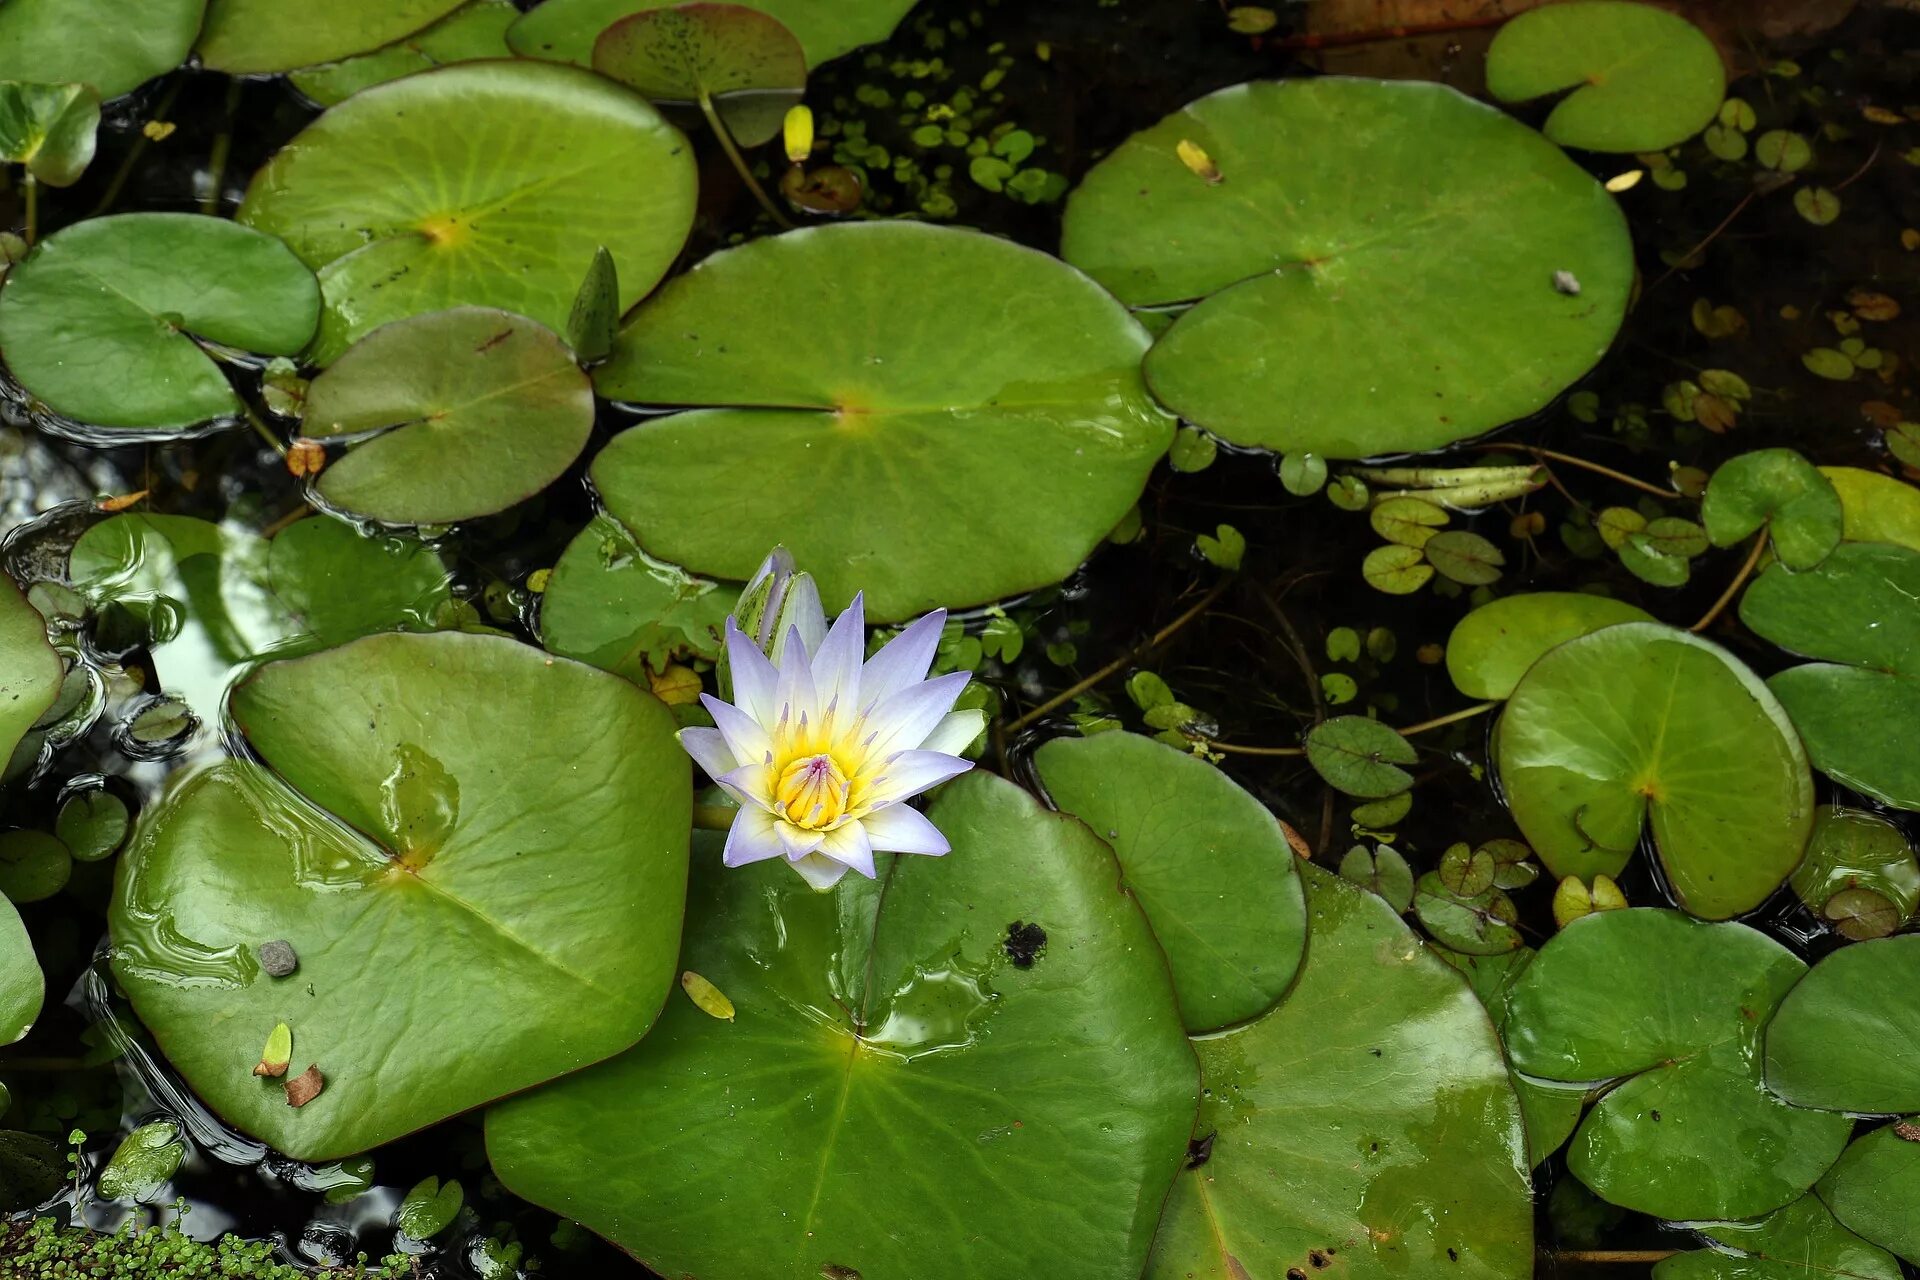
x,y
449,728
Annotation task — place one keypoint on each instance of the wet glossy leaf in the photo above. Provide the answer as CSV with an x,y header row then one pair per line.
x,y
1643,558
1466,871
961,1074
595,317
1856,613
99,323
1450,248
1799,1242
92,824
1396,569
475,30
337,583
1876,508
1642,723
1860,914
1854,851
610,604
1206,861
1782,490
1493,646
1192,450
565,29
30,670
448,416
33,866
1642,79
428,1209
428,809
113,45
1475,924
984,468
1360,756
1873,1189
22,985
1687,1133
49,128
545,164
145,1160
249,37
733,59
1302,474
1383,871
1848,1037
1463,557
1366,1126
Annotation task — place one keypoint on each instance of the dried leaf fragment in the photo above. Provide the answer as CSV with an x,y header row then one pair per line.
x,y
306,457
122,502
1195,157
278,1055
708,998
305,1087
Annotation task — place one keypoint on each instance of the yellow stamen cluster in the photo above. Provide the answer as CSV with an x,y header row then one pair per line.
x,y
817,771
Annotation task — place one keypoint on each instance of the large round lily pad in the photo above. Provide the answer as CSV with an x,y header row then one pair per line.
x,y
484,184
1208,862
565,30
1670,1010
251,37
30,670
1848,1037
1856,611
448,416
1800,1242
898,441
896,1067
477,853
1366,1126
476,30
1642,79
1492,647
22,986
1642,723
1876,508
113,45
100,322
610,604
1875,1186
1374,267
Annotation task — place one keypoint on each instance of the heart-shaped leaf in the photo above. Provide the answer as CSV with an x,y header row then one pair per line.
x,y
1493,646
1366,1126
1781,490
251,37
451,830
888,1038
731,60
1642,79
448,416
104,320
30,670
49,128
565,30
481,184
1856,611
1873,1189
1677,1134
429,1208
1446,256
1208,862
984,466
476,30
610,604
1848,1037
113,45
1642,723
23,988
1799,1242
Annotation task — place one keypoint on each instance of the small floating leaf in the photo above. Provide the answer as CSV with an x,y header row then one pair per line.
x,y
278,1054
1381,870
1396,569
1359,756
710,999
737,61
429,1209
1465,557
92,824
1409,522
1782,490
1858,851
49,128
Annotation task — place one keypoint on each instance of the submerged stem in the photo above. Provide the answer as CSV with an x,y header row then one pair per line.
x,y
712,817
1733,588
222,148
134,152
33,207
262,430
740,166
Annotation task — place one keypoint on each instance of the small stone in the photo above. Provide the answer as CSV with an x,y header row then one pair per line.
x,y
277,957
1566,282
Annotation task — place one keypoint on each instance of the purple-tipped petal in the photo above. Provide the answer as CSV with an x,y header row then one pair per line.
x,y
755,681
795,696
821,873
709,750
849,844
902,722
904,660
911,772
836,664
750,785
751,838
797,841
745,736
901,828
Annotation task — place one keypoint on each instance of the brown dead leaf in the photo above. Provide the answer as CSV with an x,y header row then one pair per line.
x,y
1870,305
306,457
305,1087
122,502
1296,841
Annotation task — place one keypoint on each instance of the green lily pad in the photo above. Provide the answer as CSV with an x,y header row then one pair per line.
x,y
30,670
338,584
757,1147
93,825
1876,508
610,604
252,37
1858,851
564,30
1848,1037
1492,647
1208,862
113,45
480,184
103,321
23,988
1445,256
476,30
143,1163
49,128
1551,1111
1873,1189
1366,1125
1476,924
1856,613
451,831
1642,723
33,866
983,467
1360,756
448,416
730,60
1670,1009
429,1208
1799,1242
1781,490
1642,79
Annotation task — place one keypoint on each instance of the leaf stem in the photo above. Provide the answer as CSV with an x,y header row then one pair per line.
x,y
261,429
1597,469
1623,1256
33,208
1733,588
1480,708
1231,750
135,151
222,148
727,144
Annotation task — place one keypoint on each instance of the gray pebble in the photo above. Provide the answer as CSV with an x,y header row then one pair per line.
x,y
277,957
1566,283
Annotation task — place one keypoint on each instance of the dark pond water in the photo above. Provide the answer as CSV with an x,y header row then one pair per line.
x,y
1250,663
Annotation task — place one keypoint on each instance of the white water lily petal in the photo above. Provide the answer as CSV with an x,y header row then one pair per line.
x,y
755,680
751,838
903,721
908,773
903,660
805,613
849,845
709,750
798,841
821,873
836,663
749,785
901,828
956,731
794,697
745,737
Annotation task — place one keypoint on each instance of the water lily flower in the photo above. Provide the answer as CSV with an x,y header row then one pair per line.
x,y
823,750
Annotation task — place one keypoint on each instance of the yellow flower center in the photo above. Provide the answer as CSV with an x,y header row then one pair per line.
x,y
813,792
